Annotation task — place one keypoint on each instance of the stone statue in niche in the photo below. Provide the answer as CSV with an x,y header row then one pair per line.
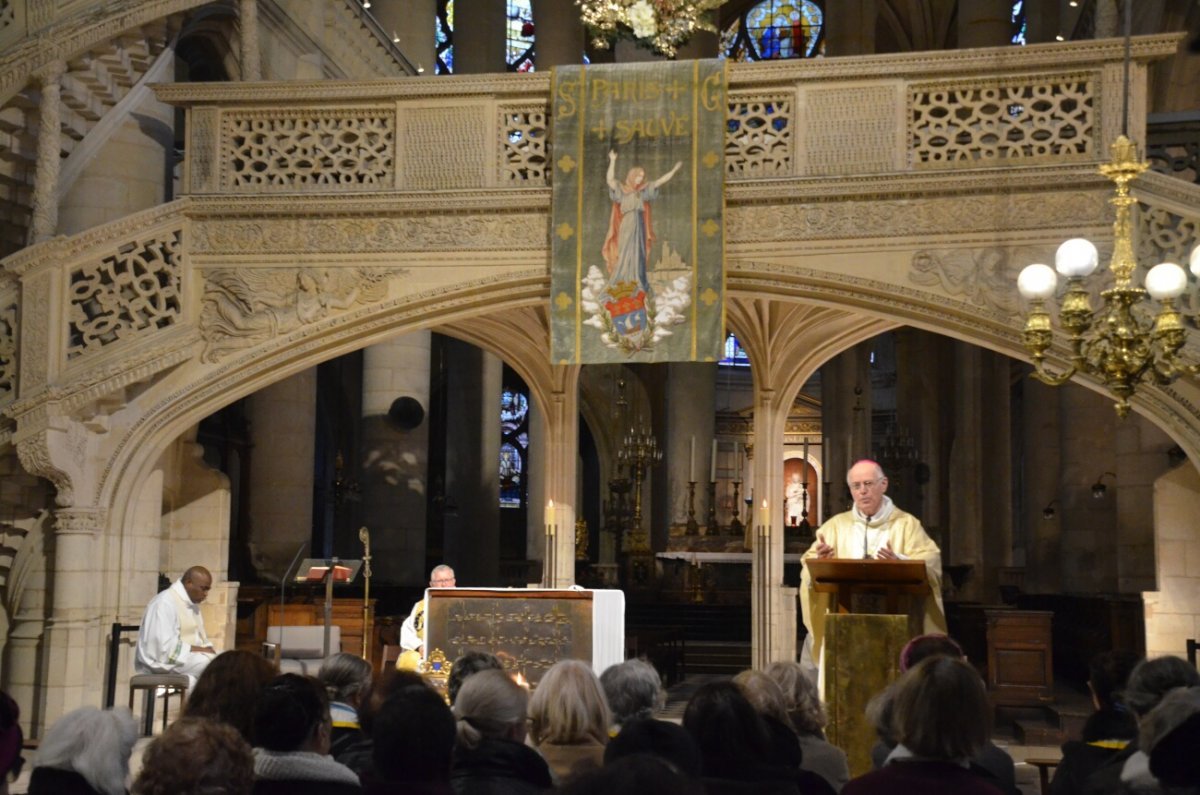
x,y
243,307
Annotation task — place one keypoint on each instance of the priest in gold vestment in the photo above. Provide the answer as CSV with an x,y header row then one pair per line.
x,y
873,528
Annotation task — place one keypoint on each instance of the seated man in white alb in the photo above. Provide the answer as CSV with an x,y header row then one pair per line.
x,y
171,639
412,631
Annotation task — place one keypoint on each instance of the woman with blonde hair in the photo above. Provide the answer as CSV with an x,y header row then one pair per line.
x,y
808,718
569,718
490,755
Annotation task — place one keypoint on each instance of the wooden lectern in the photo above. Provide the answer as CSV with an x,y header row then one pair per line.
x,y
846,577
861,651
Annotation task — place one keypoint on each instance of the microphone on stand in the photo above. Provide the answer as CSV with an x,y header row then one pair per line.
x,y
287,575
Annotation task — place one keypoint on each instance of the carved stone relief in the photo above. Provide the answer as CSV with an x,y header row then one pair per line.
x,y
243,307
34,452
983,277
851,129
504,232
903,217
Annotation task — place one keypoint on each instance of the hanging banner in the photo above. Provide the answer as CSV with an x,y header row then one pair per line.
x,y
637,269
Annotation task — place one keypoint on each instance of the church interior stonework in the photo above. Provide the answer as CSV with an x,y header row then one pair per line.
x,y
274,271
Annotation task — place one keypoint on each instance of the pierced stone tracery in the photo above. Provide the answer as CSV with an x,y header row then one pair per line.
x,y
133,290
304,149
963,123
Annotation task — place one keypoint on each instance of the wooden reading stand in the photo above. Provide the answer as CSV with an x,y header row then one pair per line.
x,y
845,577
862,649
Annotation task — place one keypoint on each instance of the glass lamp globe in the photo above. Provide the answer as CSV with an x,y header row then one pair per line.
x,y
1194,263
1076,257
1166,280
1037,281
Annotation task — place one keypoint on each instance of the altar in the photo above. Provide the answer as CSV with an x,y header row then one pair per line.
x,y
713,577
529,629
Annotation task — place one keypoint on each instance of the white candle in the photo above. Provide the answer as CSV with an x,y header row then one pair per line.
x,y
712,471
692,461
804,465
737,460
764,517
550,518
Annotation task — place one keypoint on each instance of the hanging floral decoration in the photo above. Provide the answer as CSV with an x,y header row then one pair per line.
x,y
661,25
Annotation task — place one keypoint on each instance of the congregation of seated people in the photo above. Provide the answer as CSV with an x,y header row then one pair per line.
x,y
248,731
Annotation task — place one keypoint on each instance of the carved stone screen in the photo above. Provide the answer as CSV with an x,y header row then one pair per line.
x,y
529,630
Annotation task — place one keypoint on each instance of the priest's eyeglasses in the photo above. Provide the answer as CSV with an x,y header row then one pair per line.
x,y
865,484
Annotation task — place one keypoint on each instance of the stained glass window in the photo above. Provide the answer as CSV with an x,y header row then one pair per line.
x,y
444,37
735,354
1018,22
514,447
519,40
775,29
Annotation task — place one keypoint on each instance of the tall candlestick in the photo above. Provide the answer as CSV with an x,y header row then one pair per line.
x,y
712,470
692,461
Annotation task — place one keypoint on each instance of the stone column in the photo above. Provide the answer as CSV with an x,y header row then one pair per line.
x,y
561,397
850,28
395,458
1043,21
690,419
1089,526
846,419
996,467
773,607
560,35
963,543
472,530
1141,460
248,21
412,22
44,222
283,422
74,665
1042,456
479,45
984,23
537,477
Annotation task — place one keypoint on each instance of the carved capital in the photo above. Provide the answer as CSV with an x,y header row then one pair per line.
x,y
34,452
80,521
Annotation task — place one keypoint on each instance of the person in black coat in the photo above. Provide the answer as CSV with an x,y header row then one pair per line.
x,y
490,757
292,730
1107,731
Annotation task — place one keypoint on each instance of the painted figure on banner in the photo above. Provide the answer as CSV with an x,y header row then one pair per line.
x,y
622,300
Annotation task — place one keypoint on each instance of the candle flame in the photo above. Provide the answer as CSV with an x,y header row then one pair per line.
x,y
521,680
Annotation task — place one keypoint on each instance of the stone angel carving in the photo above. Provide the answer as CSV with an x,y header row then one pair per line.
x,y
246,306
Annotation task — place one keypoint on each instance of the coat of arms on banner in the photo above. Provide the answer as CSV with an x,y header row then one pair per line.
x,y
637,270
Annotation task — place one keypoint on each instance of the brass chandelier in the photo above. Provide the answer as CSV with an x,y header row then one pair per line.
x,y
662,25
1122,344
